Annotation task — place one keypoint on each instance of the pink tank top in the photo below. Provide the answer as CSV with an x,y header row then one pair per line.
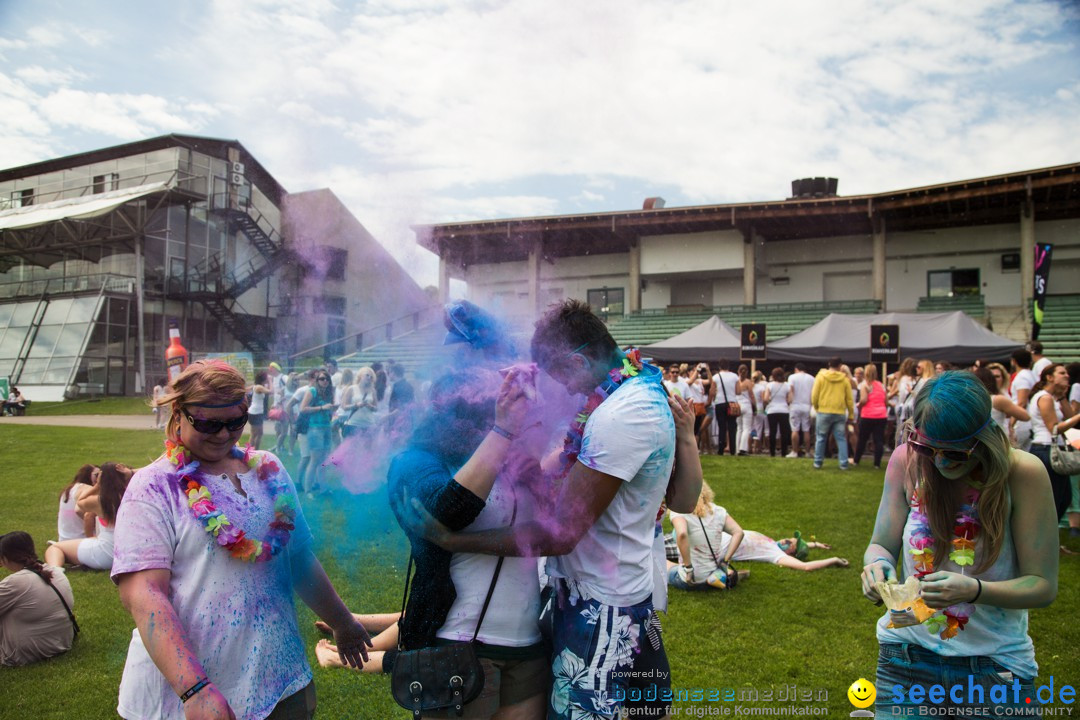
x,y
875,408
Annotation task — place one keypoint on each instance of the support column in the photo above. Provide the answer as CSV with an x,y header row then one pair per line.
x,y
1027,260
535,252
444,281
749,267
878,222
634,299
140,281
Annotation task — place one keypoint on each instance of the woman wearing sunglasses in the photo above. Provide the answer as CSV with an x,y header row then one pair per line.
x,y
210,544
973,519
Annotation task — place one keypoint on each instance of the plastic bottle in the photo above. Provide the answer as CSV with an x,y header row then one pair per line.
x,y
176,355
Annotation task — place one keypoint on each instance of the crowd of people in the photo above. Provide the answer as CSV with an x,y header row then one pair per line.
x,y
551,556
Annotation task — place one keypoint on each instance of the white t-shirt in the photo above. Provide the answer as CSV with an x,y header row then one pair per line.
x,y
696,392
1037,368
239,616
512,615
778,393
280,386
1074,393
1040,434
631,436
731,382
258,403
69,526
1024,380
759,397
802,388
701,558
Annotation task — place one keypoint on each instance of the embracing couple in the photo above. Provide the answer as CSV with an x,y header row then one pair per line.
x,y
471,489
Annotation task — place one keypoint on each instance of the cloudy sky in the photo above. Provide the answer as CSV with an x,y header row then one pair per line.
x,y
419,111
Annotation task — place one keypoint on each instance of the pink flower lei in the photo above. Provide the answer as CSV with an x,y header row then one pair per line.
x,y
217,524
631,367
952,619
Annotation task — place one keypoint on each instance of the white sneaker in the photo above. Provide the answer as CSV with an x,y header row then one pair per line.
x,y
792,454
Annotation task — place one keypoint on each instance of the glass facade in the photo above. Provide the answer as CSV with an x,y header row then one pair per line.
x,y
53,335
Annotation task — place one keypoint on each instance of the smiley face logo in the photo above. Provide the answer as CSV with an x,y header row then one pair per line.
x,y
862,693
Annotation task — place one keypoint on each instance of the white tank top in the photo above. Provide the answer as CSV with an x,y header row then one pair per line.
x,y
1040,434
258,404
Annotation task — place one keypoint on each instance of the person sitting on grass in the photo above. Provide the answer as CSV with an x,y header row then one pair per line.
x,y
72,523
709,539
34,622
103,500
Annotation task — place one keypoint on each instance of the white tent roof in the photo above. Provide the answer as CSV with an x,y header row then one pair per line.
x,y
73,208
708,341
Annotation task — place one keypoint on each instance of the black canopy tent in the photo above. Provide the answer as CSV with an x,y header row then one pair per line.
x,y
953,337
707,342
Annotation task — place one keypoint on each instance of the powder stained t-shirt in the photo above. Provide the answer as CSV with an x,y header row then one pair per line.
x,y
631,436
239,616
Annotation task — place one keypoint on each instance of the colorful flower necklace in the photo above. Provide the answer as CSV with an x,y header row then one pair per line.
x,y
214,521
631,367
948,622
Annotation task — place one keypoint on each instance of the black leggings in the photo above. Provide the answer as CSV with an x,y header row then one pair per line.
x,y
1059,484
726,431
866,427
779,424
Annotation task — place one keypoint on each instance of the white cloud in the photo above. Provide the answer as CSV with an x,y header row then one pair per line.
x,y
37,75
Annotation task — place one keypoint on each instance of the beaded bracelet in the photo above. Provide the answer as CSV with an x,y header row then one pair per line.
x,y
978,593
194,689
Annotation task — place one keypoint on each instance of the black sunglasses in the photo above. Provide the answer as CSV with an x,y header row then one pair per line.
x,y
950,455
213,427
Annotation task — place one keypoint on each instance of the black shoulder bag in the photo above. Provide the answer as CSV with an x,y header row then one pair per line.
x,y
63,602
725,577
442,677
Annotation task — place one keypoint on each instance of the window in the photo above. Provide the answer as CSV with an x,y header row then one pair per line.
x,y
106,182
337,260
335,332
329,305
606,301
22,198
952,283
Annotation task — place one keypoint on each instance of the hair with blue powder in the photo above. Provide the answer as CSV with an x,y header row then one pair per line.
x,y
954,407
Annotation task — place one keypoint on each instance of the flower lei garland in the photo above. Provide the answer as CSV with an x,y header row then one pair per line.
x,y
952,619
631,367
217,524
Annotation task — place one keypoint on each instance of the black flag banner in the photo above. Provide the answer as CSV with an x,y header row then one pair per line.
x,y
1042,276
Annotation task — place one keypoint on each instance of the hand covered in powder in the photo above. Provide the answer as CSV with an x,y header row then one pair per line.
x,y
683,412
416,520
515,397
352,642
942,589
208,704
872,574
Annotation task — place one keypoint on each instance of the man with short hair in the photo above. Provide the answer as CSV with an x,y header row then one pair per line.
x,y
727,426
834,402
802,386
598,534
1020,389
402,393
335,374
1038,361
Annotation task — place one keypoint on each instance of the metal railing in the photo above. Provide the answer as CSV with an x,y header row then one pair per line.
x,y
383,332
169,173
124,284
763,308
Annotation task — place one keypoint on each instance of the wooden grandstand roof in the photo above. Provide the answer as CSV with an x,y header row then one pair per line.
x,y
1054,194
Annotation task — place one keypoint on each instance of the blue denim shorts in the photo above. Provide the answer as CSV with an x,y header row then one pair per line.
x,y
904,665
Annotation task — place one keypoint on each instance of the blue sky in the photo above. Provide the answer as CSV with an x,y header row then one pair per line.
x,y
418,111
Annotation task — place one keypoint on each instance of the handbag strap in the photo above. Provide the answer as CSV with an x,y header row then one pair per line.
x,y
70,614
494,579
709,542
723,385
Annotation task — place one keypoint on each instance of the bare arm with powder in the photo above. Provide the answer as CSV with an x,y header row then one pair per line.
x,y
685,486
145,594
879,560
1034,529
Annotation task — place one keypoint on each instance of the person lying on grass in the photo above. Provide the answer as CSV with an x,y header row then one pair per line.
x,y
711,524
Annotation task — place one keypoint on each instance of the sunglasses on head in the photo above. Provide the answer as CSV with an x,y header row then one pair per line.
x,y
932,452
213,427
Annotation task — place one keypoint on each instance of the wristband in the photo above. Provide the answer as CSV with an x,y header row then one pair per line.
x,y
194,689
504,433
978,592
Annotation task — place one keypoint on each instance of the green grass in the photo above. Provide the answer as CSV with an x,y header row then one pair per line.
x,y
778,628
96,406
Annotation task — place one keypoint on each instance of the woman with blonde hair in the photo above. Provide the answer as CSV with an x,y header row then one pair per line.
x,y
360,404
210,545
972,519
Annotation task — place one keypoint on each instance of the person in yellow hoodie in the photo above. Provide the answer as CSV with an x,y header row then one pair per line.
x,y
834,404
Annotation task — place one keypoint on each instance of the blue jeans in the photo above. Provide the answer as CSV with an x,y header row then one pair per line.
x,y
837,424
965,682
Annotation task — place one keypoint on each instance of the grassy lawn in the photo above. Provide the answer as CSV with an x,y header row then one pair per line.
x,y
779,628
96,406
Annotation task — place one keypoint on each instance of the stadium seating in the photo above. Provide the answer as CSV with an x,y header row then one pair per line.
x,y
973,305
1060,333
782,319
415,350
